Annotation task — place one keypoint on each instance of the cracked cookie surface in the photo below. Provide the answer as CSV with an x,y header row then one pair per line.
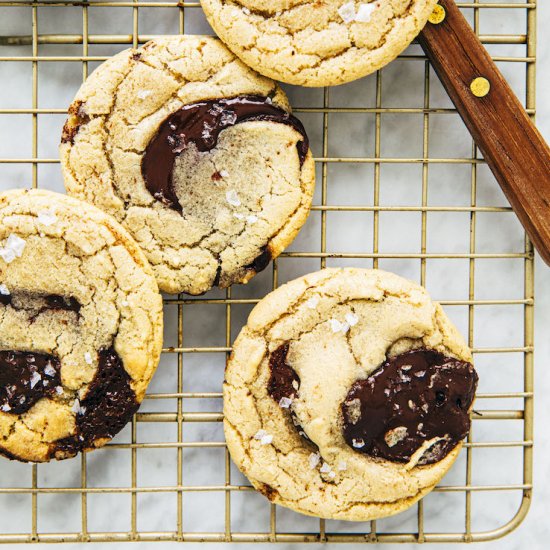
x,y
317,42
80,326
231,206
293,365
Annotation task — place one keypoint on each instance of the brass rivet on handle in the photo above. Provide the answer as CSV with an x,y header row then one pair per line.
x,y
438,15
480,86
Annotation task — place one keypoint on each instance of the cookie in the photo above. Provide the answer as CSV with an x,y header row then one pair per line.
x,y
198,156
347,394
80,326
315,43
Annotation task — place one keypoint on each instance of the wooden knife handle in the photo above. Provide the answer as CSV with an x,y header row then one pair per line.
x,y
511,145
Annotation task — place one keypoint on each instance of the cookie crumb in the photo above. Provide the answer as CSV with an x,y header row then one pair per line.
x,y
233,198
353,410
47,217
13,249
393,437
142,94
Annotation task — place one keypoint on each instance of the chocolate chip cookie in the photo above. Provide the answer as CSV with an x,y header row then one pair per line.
x,y
348,394
198,156
315,43
80,326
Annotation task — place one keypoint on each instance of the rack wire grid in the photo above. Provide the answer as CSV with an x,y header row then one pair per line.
x,y
413,196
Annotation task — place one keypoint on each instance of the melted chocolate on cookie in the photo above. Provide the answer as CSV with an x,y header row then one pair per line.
x,y
201,124
108,406
50,301
261,261
283,381
410,399
25,378
77,118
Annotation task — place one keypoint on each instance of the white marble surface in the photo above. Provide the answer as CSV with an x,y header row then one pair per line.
x,y
205,325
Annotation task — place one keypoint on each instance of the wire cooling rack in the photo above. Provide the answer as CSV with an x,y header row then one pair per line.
x,y
400,186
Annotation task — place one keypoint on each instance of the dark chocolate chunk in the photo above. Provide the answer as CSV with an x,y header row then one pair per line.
x,y
410,399
261,261
47,301
77,118
283,381
201,123
67,303
26,377
108,406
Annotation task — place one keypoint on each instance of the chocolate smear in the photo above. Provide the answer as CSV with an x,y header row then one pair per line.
x,y
410,399
201,123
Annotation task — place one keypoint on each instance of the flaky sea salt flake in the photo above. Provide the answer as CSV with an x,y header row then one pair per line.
x,y
314,459
313,302
46,217
88,358
285,402
77,408
233,198
351,319
364,13
266,439
342,465
325,468
263,437
142,94
252,219
34,379
4,290
347,12
358,443
13,249
337,326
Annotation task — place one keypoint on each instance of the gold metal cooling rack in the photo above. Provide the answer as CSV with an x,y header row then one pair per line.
x,y
400,186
